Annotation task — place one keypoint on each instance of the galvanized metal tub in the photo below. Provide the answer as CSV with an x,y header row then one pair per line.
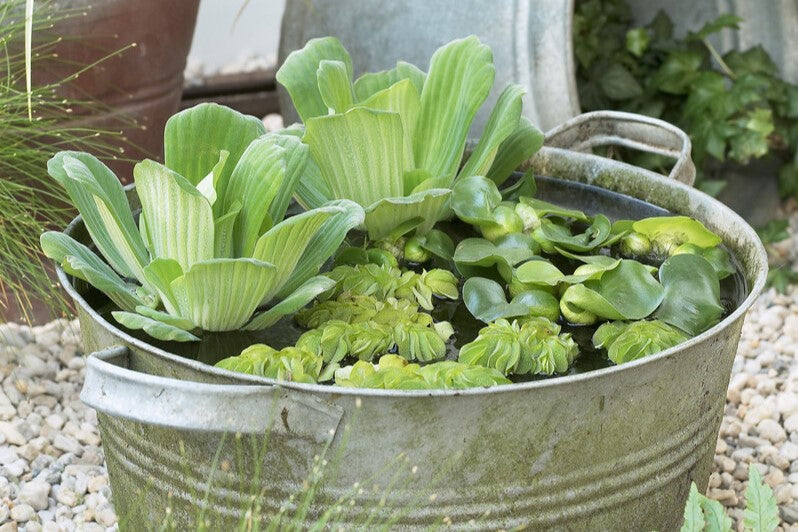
x,y
613,449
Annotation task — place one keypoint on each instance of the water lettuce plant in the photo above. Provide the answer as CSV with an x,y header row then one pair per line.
x,y
394,141
211,250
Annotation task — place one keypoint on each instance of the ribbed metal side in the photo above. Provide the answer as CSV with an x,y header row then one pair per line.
x,y
137,459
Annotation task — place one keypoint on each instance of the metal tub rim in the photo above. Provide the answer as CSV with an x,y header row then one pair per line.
x,y
758,269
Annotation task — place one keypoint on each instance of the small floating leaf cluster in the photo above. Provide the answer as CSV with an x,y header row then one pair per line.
x,y
398,228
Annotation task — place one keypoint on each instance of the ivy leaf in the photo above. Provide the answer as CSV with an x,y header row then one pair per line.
x,y
637,41
761,512
677,72
723,21
618,83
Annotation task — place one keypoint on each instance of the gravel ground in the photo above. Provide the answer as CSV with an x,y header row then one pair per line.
x,y
53,476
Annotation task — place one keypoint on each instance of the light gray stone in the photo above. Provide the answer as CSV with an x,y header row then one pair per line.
x,y
35,493
22,512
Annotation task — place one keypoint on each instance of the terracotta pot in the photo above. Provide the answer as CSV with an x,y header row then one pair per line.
x,y
138,89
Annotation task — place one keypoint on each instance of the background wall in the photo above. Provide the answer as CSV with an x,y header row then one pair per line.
x,y
219,45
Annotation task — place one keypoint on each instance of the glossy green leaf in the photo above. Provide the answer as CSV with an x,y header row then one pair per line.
x,y
373,82
156,329
195,138
222,294
255,182
625,342
298,74
593,237
504,253
544,208
682,228
359,154
292,303
522,144
385,215
539,303
474,198
81,262
626,292
335,85
460,77
718,257
179,219
501,123
98,195
284,244
539,272
486,300
692,294
524,186
438,243
324,243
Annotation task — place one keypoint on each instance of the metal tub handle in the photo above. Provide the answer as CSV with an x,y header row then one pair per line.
x,y
112,388
603,128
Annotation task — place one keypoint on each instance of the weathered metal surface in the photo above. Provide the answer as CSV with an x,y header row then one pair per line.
x,y
531,43
770,24
613,449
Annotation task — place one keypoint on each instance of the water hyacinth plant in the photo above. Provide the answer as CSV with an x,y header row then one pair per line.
x,y
211,246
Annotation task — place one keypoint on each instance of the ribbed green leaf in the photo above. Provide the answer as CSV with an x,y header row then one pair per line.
x,y
255,182
298,299
222,294
160,273
324,243
207,186
402,98
359,153
179,218
335,85
502,122
167,318
312,191
156,329
387,214
85,178
284,244
460,77
298,74
522,143
224,232
297,157
374,82
194,139
79,261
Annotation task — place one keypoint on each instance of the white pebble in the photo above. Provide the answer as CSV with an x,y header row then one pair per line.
x,y
35,493
22,512
771,430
